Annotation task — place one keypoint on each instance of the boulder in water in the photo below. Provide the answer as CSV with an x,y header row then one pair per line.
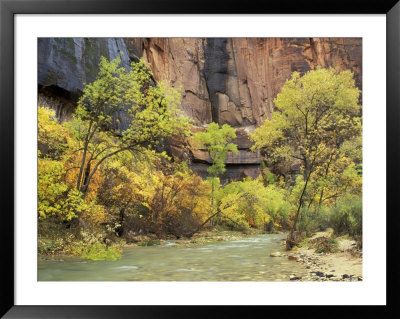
x,y
294,277
276,254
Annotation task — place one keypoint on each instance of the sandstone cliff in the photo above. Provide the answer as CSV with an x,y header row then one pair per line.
x,y
235,80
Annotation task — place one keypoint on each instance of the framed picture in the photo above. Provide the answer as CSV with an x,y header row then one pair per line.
x,y
363,37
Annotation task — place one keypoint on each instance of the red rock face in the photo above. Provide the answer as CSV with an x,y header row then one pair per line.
x,y
235,81
180,62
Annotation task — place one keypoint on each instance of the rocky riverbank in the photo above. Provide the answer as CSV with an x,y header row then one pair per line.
x,y
342,263
199,239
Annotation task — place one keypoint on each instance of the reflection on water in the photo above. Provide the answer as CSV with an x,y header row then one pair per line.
x,y
242,260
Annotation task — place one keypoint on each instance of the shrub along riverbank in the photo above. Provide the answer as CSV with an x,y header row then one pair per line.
x,y
51,247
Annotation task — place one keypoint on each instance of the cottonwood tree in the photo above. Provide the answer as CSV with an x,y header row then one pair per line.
x,y
149,111
217,142
316,113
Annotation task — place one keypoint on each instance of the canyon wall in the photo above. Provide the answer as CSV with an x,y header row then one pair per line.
x,y
65,65
224,80
235,80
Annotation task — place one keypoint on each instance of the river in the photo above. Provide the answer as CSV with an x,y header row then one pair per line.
x,y
240,260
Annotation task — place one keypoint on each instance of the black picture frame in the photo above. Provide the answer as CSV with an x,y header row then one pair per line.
x,y
9,8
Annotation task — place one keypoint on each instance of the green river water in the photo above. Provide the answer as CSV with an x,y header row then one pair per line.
x,y
241,260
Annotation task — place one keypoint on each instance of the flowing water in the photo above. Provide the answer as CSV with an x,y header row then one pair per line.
x,y
241,260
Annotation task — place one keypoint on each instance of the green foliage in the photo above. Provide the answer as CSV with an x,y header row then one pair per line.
x,y
268,177
55,198
216,141
96,251
151,242
249,204
312,221
352,149
149,110
346,217
80,153
99,251
316,113
326,245
143,197
92,247
52,137
317,123
50,247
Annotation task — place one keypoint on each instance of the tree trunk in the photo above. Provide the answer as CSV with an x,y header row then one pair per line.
x,y
322,190
85,148
85,183
83,224
201,226
290,240
212,200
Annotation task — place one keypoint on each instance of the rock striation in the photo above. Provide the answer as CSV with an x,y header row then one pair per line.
x,y
235,80
70,63
225,80
65,65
